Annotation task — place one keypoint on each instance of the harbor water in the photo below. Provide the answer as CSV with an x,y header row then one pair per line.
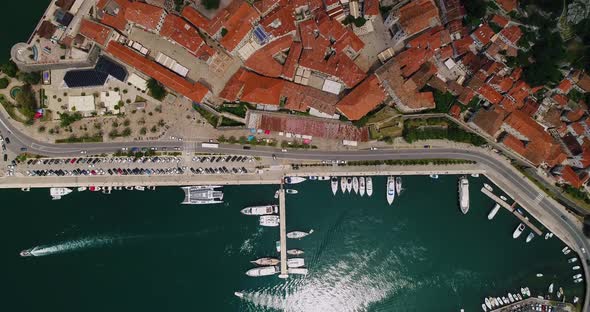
x,y
144,251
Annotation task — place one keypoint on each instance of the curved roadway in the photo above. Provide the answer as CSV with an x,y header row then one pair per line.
x,y
511,180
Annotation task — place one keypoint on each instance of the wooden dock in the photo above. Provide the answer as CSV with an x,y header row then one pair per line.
x,y
283,233
504,204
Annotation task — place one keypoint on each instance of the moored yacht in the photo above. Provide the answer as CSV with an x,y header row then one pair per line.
x,y
464,194
493,212
294,180
269,220
140,188
295,262
28,252
572,260
260,210
324,178
398,185
291,191
530,237
519,229
200,195
301,271
294,252
348,184
266,261
362,186
298,234
82,189
355,185
343,184
488,187
369,186
390,189
334,184
262,271
57,192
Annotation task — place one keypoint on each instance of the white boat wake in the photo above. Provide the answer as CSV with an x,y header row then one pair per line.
x,y
73,245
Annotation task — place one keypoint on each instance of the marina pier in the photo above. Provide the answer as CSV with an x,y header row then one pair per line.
x,y
512,210
283,232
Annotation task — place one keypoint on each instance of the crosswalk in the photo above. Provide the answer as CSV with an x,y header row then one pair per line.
x,y
539,198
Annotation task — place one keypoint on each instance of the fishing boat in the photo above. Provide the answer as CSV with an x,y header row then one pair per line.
x,y
291,191
362,186
239,294
269,220
369,186
294,180
572,260
488,187
57,192
81,189
390,189
398,185
519,229
301,271
530,237
348,185
355,185
298,234
433,176
260,210
493,212
334,184
140,188
295,262
262,271
294,252
577,267
464,194
539,274
266,261
550,289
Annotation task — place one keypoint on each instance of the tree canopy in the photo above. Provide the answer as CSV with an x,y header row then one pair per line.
x,y
27,101
157,91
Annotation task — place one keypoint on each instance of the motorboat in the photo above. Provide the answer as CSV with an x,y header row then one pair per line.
x,y
475,175
362,186
263,271
547,235
294,180
572,260
433,176
494,211
294,252
483,306
390,189
298,234
278,246
269,220
464,194
324,178
355,185
576,299
488,187
266,261
579,280
291,191
334,184
530,237
510,297
57,192
82,189
28,252
260,210
519,229
151,188
276,194
500,302
239,294
140,188
577,276
488,303
201,195
117,188
300,271
129,188
343,184
565,249
577,267
295,262
519,296
98,188
398,185
539,274
107,190
369,186
559,292
550,289
25,189
312,178
348,184
503,198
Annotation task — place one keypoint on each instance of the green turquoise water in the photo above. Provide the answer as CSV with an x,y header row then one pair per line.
x,y
143,251
18,21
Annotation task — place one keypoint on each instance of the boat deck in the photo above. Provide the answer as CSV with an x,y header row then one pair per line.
x,y
283,233
504,204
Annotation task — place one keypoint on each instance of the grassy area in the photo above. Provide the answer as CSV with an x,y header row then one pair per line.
x,y
438,129
11,109
82,139
210,117
236,109
226,122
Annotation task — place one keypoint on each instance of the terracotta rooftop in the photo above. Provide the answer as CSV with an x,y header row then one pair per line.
x,y
463,45
301,98
194,91
565,86
455,111
292,59
264,6
238,26
569,176
407,95
560,99
525,125
418,15
178,30
489,121
262,61
95,31
411,59
512,33
514,144
507,5
433,39
484,34
502,84
453,9
197,19
466,96
143,14
516,73
488,93
112,13
362,99
500,20
582,80
280,21
578,128
371,7
530,107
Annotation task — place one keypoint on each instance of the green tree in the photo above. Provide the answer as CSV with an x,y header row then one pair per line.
x,y
33,78
143,131
27,101
4,82
9,69
210,4
547,54
66,119
157,91
126,132
360,21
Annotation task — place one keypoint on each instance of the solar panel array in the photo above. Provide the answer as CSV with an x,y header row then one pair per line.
x,y
97,76
261,35
108,66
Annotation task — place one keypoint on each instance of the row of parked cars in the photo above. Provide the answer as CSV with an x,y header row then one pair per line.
x,y
223,158
114,171
218,170
104,160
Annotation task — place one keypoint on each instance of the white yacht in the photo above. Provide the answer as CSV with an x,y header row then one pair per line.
x,y
475,175
140,188
355,185
301,271
519,229
567,251
57,192
263,271
483,306
493,212
530,237
550,290
464,194
239,294
269,220
298,234
82,189
294,180
343,184
510,297
433,176
572,260
390,189
334,184
348,184
502,197
294,252
312,178
362,186
488,303
577,276
577,267
324,178
266,261
539,274
488,187
369,186
291,191
200,195
398,185
260,210
579,280
295,262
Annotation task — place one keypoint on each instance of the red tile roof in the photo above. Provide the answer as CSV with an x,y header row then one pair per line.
x,y
264,6
371,7
516,73
462,45
514,144
455,111
507,5
502,84
512,33
560,99
262,61
489,121
500,20
238,26
432,39
484,34
194,91
527,126
569,176
197,19
178,30
490,94
418,15
143,14
412,59
565,86
578,129
363,99
118,20
292,59
466,96
280,21
530,107
576,115
95,31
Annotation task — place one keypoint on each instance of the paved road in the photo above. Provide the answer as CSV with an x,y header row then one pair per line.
x,y
510,179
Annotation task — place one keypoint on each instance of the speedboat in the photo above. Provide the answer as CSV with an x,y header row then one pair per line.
x,y
398,185
493,212
238,294
500,302
579,280
277,194
503,198
519,296
262,271
519,229
295,262
140,188
324,178
530,237
550,290
572,260
278,246
577,267
488,303
294,252
334,184
312,178
576,299
260,210
57,192
547,235
488,187
539,274
464,194
294,180
28,252
343,184
298,234
291,191
348,185
565,249
390,190
362,186
433,176
269,220
483,306
355,185
510,297
475,175
369,186
129,188
266,261
577,276
301,271
82,189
